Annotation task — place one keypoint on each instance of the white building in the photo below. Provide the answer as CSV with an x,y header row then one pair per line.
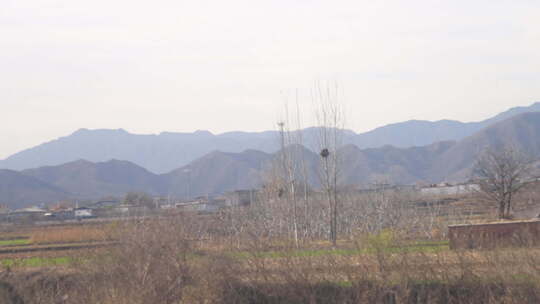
x,y
83,212
450,189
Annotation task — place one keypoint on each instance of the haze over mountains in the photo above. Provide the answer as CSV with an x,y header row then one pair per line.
x,y
217,171
18,190
168,151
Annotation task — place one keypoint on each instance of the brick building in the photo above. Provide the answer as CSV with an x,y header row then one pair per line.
x,y
497,234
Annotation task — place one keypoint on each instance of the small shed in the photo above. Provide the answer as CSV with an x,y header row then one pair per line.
x,y
496,234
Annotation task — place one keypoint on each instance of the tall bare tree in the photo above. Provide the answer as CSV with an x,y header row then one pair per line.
x,y
293,166
501,174
289,170
330,120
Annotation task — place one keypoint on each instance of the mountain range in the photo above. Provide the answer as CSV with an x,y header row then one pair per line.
x,y
219,171
167,151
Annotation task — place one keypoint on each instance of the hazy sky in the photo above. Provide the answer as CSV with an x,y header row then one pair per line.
x,y
174,65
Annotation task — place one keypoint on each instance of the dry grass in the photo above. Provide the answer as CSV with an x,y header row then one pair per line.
x,y
72,234
166,262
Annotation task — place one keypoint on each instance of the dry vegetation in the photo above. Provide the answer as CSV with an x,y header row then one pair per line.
x,y
389,251
159,262
72,234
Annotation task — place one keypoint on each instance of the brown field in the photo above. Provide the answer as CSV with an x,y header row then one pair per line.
x,y
55,241
72,234
190,259
362,272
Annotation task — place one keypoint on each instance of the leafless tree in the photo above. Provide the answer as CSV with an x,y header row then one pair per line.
x,y
330,120
293,167
501,175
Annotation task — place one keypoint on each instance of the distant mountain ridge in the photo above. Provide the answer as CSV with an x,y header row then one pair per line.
x,y
84,180
18,190
217,172
421,132
521,132
167,151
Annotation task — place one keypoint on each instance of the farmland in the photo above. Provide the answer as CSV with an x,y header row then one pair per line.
x,y
231,257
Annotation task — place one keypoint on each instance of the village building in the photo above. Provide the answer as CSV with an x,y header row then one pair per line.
x,y
27,214
448,189
497,234
83,212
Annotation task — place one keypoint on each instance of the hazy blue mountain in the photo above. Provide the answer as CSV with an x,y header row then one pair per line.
x,y
166,151
217,172
18,190
87,180
535,107
442,161
158,153
420,132
521,132
389,164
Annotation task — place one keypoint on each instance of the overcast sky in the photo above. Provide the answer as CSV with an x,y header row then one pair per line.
x,y
175,65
